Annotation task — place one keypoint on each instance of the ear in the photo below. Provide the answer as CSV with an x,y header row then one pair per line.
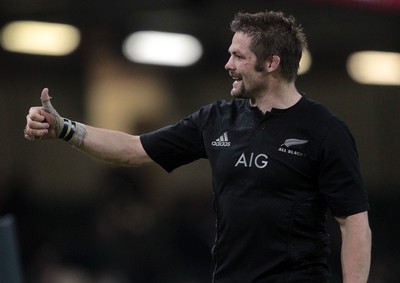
x,y
272,63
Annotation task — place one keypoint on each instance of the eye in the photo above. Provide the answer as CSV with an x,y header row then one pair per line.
x,y
237,56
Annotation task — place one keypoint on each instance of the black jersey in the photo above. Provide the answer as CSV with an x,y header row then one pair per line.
x,y
275,176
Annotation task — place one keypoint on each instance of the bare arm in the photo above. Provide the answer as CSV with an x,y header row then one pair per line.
x,y
356,247
115,147
107,145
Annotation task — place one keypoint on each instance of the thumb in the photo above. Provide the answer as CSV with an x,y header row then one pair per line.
x,y
45,98
55,120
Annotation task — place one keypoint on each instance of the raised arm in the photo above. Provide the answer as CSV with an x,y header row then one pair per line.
x,y
107,145
356,247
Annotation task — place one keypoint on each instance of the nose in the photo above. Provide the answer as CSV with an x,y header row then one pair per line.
x,y
228,65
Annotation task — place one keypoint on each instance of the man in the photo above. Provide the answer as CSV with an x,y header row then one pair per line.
x,y
279,162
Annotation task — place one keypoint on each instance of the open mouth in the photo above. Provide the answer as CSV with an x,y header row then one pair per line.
x,y
236,78
237,81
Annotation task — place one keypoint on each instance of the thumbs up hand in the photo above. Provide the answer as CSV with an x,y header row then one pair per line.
x,y
42,122
45,123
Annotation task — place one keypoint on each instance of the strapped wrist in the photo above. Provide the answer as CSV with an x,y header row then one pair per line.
x,y
72,132
68,130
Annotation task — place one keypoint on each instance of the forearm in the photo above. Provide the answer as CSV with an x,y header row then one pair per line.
x,y
107,145
113,146
356,251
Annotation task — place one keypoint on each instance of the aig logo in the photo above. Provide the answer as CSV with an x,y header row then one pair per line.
x,y
250,160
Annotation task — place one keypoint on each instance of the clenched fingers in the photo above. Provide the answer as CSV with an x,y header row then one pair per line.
x,y
36,124
32,134
35,114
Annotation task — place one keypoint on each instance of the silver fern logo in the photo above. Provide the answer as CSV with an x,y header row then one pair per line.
x,y
285,147
291,142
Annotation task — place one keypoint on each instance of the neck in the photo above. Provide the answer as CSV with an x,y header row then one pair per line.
x,y
281,96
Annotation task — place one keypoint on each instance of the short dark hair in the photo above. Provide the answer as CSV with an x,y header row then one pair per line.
x,y
273,34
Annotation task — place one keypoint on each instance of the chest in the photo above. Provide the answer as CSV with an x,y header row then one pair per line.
x,y
271,153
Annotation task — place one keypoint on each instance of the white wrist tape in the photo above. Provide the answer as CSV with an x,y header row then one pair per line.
x,y
72,132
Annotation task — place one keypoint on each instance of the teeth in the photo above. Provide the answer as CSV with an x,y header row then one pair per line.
x,y
236,78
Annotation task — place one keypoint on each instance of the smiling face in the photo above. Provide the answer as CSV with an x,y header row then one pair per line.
x,y
248,83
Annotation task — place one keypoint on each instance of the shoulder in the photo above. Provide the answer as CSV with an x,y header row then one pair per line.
x,y
321,116
229,104
222,108
317,108
325,128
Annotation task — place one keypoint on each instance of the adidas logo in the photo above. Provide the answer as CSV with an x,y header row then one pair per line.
x,y
222,140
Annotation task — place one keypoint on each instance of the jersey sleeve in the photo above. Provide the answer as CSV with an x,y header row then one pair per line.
x,y
176,145
339,178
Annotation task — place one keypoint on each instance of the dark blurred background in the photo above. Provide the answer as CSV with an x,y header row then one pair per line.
x,y
81,220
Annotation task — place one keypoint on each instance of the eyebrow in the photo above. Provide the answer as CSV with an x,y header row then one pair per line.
x,y
234,51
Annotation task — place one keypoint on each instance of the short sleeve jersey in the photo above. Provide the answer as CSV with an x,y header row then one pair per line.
x,y
275,176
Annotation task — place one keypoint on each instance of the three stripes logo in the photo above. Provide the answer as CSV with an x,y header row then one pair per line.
x,y
222,140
